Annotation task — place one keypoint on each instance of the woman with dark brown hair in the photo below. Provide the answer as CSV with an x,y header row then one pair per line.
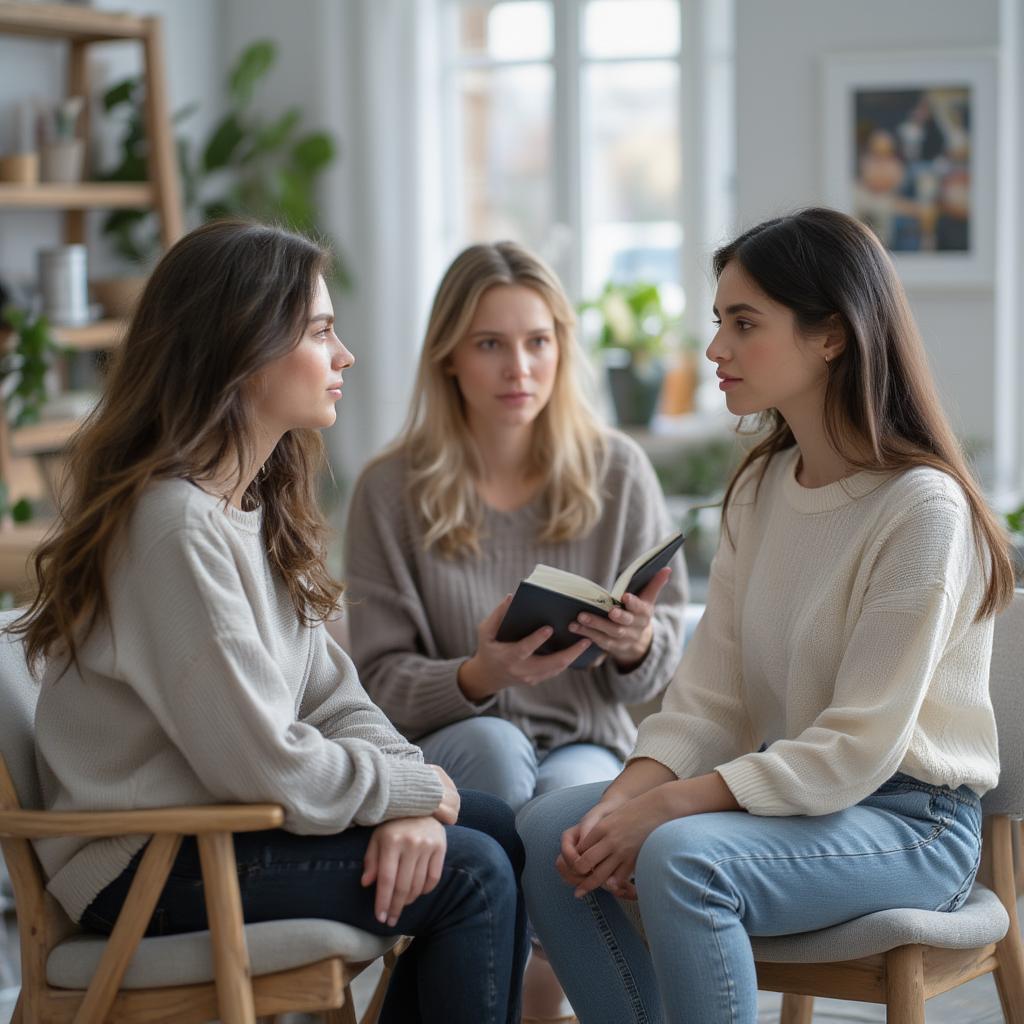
x,y
821,751
179,631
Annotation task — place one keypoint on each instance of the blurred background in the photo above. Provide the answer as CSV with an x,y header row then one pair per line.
x,y
622,139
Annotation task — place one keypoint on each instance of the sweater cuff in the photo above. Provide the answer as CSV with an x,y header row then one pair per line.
x,y
414,790
755,788
660,742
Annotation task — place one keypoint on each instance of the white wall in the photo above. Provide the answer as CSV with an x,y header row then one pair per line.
x,y
779,50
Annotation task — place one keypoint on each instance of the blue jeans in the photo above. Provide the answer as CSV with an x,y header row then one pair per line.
x,y
472,923
496,757
707,882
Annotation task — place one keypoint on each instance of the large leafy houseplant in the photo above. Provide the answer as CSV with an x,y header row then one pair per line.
x,y
250,165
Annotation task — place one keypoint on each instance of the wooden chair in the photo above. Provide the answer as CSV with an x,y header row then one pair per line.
x,y
903,957
233,972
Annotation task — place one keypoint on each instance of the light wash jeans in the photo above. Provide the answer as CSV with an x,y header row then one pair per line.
x,y
707,882
495,756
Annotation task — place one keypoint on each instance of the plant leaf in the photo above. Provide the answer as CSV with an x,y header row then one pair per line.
x,y
223,143
120,93
255,62
313,152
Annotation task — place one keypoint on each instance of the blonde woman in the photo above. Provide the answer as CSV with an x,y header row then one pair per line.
x,y
501,466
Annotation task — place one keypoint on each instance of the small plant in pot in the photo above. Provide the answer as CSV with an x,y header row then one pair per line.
x,y
634,335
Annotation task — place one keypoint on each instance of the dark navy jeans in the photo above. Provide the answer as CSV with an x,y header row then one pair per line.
x,y
466,963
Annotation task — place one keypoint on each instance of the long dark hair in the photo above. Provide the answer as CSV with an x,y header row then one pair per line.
x,y
882,409
226,300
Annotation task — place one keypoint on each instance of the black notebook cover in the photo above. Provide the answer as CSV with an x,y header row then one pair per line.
x,y
534,607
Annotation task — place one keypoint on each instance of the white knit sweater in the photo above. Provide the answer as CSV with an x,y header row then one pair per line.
x,y
202,686
840,630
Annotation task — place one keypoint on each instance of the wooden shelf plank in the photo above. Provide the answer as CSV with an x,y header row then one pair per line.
x,y
40,438
58,21
98,335
86,195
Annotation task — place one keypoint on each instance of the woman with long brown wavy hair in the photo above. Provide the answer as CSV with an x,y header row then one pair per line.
x,y
821,752
179,631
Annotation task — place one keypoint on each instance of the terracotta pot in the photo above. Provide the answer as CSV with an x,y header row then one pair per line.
x,y
118,295
677,395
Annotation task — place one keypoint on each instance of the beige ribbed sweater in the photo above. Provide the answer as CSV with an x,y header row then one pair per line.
x,y
202,686
413,613
840,631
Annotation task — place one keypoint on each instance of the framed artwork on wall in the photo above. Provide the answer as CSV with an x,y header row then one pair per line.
x,y
910,149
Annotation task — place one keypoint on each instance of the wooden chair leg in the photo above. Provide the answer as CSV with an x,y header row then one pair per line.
x,y
376,1003
345,1014
227,929
1009,972
796,1009
904,985
1018,853
19,1010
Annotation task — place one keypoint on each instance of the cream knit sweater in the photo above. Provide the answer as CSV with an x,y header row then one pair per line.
x,y
202,686
840,631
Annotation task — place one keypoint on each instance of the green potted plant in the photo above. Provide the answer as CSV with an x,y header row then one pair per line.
x,y
248,166
634,336
27,352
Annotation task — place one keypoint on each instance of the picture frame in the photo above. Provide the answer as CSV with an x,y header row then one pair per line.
x,y
910,149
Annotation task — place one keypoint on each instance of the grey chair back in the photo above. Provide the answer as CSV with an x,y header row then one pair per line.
x,y
18,694
1007,687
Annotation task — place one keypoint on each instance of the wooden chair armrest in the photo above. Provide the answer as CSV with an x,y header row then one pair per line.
x,y
190,821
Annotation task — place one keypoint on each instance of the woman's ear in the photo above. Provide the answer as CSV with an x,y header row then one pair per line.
x,y
833,341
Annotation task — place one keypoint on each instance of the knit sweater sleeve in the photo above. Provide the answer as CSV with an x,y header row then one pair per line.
x,y
336,705
703,718
206,674
392,641
635,487
921,597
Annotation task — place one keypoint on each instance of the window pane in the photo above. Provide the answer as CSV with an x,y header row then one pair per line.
x,y
631,28
506,132
631,173
631,141
519,30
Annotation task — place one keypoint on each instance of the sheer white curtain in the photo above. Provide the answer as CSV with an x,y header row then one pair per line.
x,y
383,204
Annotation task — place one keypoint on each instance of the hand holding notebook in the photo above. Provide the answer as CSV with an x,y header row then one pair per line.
x,y
555,598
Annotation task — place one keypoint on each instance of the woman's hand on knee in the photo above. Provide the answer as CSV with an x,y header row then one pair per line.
x,y
448,809
405,858
497,665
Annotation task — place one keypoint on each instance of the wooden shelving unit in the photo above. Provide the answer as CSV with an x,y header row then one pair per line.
x,y
82,28
89,195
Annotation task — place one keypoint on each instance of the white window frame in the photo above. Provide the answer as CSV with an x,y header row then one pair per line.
x,y
707,139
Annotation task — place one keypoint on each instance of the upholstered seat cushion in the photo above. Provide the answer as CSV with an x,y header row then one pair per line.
x,y
185,959
979,921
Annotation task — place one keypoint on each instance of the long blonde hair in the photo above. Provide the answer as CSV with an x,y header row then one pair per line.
x,y
226,300
881,398
442,458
